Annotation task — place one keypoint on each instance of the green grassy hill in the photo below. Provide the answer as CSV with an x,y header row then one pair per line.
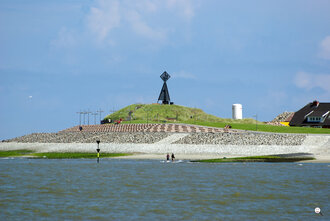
x,y
169,113
156,113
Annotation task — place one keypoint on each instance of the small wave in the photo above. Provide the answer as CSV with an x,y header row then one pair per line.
x,y
7,158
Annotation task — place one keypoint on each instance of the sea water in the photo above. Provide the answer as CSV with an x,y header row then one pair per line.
x,y
116,189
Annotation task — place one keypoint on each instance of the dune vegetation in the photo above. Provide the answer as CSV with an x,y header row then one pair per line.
x,y
14,153
55,155
156,113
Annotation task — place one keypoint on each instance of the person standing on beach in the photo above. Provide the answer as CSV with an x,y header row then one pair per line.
x,y
168,157
173,157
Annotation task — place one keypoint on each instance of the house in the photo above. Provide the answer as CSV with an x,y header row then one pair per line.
x,y
314,114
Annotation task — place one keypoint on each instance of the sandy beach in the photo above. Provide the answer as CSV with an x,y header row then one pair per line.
x,y
182,152
185,146
319,159
141,156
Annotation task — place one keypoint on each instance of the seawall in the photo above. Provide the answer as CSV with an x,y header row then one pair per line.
x,y
187,145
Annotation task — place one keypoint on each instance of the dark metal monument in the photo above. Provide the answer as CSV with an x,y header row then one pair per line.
x,y
164,96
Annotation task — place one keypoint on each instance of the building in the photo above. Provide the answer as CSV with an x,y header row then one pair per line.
x,y
314,114
237,111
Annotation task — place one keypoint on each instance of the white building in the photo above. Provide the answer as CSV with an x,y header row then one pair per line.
x,y
237,111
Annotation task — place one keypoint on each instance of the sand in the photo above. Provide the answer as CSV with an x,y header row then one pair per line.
x,y
142,156
314,146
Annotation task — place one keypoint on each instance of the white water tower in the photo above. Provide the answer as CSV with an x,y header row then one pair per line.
x,y
237,111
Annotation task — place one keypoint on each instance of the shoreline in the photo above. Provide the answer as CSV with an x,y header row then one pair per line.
x,y
323,159
180,157
182,152
185,146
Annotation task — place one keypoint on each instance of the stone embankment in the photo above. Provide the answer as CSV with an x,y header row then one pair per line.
x,y
91,137
283,117
242,139
154,137
122,133
184,140
174,128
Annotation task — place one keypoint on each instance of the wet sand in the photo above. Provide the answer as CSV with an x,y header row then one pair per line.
x,y
319,159
142,156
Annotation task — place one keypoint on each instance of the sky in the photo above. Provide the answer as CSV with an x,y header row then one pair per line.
x,y
61,57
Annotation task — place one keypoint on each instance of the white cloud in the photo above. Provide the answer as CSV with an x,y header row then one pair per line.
x,y
143,29
135,18
66,39
309,81
184,7
110,14
325,48
184,75
146,5
104,18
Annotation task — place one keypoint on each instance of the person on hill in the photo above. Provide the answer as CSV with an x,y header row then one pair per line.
x,y
172,157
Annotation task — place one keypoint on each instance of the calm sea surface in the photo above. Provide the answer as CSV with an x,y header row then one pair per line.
x,y
114,189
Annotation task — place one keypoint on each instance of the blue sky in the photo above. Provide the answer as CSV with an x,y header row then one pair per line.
x,y
60,57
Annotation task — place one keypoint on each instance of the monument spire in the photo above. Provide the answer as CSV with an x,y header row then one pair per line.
x,y
164,95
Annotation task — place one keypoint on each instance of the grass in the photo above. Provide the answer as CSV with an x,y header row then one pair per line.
x,y
161,113
14,153
256,159
247,126
155,113
53,155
